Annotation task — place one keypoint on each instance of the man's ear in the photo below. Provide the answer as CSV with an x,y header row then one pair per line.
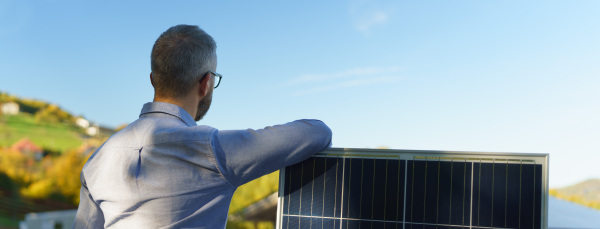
x,y
204,85
151,80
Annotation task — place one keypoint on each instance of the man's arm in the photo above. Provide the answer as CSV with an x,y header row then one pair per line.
x,y
245,155
89,214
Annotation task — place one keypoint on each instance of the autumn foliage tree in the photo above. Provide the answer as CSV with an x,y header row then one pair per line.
x,y
56,176
52,113
65,174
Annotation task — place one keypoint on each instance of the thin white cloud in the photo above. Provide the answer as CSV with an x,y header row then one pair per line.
x,y
347,84
307,78
366,15
371,20
319,83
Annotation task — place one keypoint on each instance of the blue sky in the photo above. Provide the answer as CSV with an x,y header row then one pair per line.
x,y
502,76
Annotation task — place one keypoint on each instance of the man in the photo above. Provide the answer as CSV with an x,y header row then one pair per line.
x,y
164,171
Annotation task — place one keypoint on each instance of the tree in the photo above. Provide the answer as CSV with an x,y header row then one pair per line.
x,y
65,174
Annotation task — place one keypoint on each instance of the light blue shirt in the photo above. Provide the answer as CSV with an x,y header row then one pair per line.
x,y
164,171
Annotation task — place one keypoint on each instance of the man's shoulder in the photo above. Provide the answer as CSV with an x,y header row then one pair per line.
x,y
137,136
142,133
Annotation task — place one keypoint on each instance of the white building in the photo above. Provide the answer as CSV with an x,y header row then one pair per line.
x,y
49,220
92,130
83,123
10,108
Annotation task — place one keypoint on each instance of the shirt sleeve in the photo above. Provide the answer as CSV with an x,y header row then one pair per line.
x,y
245,155
89,214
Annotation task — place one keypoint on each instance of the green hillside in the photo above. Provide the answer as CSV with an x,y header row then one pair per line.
x,y
45,124
55,136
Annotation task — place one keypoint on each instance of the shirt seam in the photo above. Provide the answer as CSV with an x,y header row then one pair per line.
x,y
214,160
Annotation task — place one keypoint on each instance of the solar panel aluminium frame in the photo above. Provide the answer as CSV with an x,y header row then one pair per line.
x,y
424,155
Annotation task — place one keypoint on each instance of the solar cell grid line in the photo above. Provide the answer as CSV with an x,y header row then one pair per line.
x,y
392,179
404,202
380,187
412,192
499,194
493,179
324,189
362,177
437,212
307,182
520,189
506,196
288,195
425,192
513,188
302,189
337,164
444,206
451,173
301,186
418,177
312,190
464,192
431,186
318,189
385,190
485,179
330,183
534,198
294,195
346,192
472,193
367,190
537,195
373,191
479,194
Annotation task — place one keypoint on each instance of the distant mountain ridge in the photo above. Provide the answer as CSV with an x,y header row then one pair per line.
x,y
586,193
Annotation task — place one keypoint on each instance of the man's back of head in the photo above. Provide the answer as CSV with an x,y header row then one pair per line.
x,y
180,57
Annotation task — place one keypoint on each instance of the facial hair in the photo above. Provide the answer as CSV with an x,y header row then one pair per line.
x,y
203,106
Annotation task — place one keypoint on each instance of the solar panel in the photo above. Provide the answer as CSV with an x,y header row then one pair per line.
x,y
406,189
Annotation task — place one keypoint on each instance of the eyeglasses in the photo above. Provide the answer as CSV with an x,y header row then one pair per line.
x,y
217,78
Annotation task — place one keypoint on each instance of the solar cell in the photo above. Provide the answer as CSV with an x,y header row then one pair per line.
x,y
358,188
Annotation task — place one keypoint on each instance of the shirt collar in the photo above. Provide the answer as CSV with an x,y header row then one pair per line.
x,y
168,108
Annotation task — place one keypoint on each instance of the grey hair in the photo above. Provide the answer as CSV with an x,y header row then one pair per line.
x,y
180,57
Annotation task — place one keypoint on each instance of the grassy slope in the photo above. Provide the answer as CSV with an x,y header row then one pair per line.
x,y
55,136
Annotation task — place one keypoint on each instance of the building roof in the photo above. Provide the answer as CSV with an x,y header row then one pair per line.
x,y
25,145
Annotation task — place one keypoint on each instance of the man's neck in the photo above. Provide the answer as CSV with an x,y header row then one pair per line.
x,y
185,104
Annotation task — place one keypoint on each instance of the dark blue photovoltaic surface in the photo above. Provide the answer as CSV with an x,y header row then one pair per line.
x,y
440,192
332,192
